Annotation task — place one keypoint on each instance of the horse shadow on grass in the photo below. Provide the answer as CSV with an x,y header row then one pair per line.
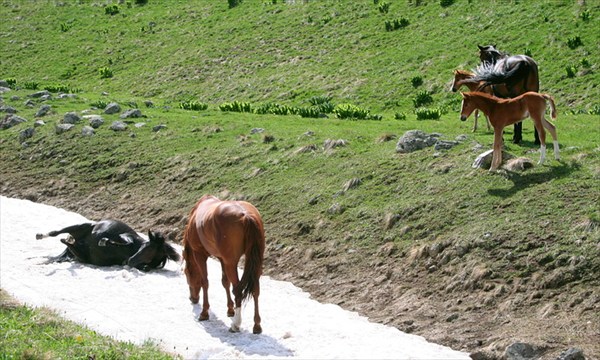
x,y
243,341
522,181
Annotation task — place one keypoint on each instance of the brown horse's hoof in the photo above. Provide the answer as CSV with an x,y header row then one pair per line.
x,y
194,300
203,316
230,312
257,329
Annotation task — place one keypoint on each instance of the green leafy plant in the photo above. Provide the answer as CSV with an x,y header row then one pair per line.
x,y
193,105
594,110
99,104
571,71
383,7
585,15
11,81
64,27
428,114
233,3
112,9
416,81
56,88
31,85
422,98
105,72
574,42
400,116
236,106
585,63
275,109
396,24
446,3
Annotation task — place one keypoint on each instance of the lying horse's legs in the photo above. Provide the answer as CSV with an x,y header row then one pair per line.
x,y
77,231
227,285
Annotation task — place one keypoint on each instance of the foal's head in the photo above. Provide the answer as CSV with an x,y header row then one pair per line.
x,y
467,107
459,77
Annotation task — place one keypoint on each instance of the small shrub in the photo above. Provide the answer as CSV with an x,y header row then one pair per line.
x,y
350,111
11,81
318,100
416,81
571,71
31,85
99,104
574,42
423,98
112,9
193,105
275,109
383,7
446,3
105,72
428,114
585,15
594,110
400,116
585,63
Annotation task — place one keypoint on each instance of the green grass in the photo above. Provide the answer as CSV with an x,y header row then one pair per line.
x,y
521,225
41,334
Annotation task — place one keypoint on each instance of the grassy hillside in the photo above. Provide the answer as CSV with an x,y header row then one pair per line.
x,y
437,229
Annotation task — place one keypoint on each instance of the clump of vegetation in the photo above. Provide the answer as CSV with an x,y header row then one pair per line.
x,y
416,81
350,111
31,85
112,9
428,114
234,3
585,15
396,24
571,71
574,42
56,88
236,106
422,98
64,27
193,105
11,82
276,109
446,3
105,72
400,116
99,104
384,7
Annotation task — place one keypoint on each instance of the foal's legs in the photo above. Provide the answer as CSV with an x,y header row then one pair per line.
x,y
497,153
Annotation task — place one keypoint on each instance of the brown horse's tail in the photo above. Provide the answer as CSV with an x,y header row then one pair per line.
x,y
552,106
253,264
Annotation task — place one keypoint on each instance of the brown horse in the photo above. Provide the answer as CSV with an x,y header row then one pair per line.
x,y
226,230
462,77
518,73
504,112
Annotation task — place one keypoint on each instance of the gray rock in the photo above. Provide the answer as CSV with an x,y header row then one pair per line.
x,y
11,120
8,109
43,110
61,128
87,131
3,83
518,164
39,123
414,140
15,98
131,113
40,94
571,354
29,103
159,127
71,118
95,120
112,108
484,160
118,126
445,145
4,89
26,134
521,351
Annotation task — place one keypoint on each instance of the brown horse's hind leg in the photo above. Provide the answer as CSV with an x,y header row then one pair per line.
x,y
227,285
232,274
257,329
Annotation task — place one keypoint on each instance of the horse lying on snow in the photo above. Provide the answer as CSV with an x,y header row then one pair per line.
x,y
112,242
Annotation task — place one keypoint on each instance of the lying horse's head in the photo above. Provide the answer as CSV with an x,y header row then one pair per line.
x,y
154,253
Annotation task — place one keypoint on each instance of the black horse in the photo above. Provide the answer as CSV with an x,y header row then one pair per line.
x,y
509,76
111,242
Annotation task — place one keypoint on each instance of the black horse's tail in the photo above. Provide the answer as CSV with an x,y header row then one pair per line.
x,y
490,75
255,248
